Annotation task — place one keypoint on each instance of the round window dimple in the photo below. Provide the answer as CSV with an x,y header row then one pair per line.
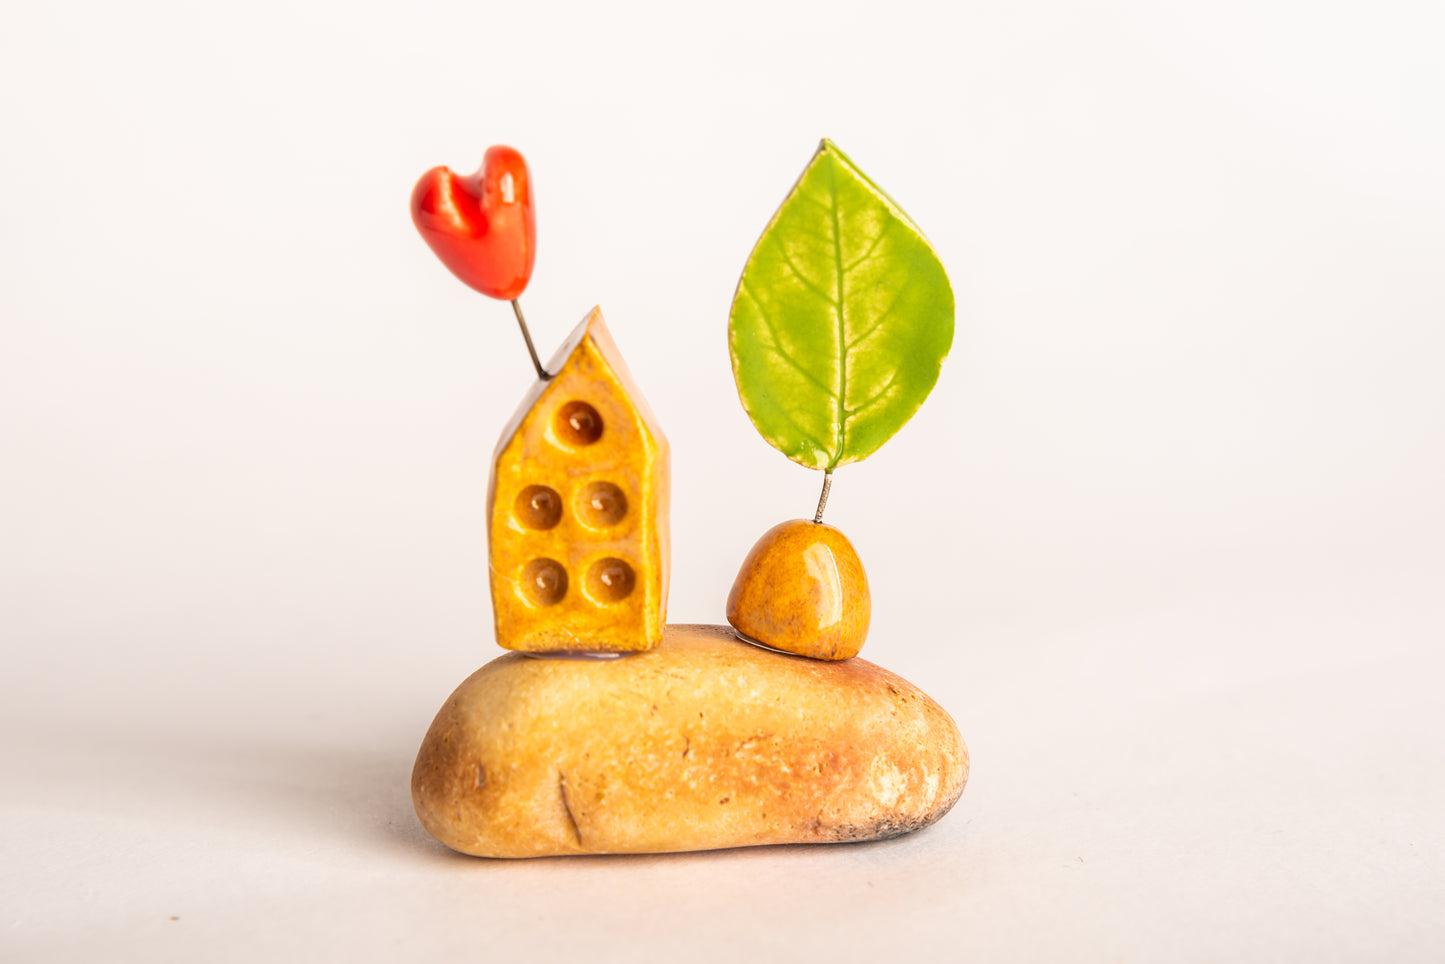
x,y
601,504
539,507
578,423
610,580
544,582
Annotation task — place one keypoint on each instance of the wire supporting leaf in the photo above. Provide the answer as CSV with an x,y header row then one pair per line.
x,y
841,320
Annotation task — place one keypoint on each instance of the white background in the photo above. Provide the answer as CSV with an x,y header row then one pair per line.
x,y
1166,540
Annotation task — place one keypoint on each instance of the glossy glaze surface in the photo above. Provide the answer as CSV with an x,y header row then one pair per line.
x,y
483,226
802,590
842,318
578,509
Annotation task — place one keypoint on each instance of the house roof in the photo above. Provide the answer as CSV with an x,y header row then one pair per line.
x,y
590,344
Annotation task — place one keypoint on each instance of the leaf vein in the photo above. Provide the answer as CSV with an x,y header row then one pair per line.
x,y
818,201
801,430
777,344
877,397
881,318
807,283
873,246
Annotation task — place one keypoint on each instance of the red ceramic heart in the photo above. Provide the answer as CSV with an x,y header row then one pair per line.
x,y
482,227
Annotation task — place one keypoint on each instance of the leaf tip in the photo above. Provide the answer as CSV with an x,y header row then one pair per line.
x,y
830,147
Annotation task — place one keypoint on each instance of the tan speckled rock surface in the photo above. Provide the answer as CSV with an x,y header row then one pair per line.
x,y
701,743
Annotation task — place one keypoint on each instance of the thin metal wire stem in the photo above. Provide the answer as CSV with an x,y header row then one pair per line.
x,y
823,499
527,337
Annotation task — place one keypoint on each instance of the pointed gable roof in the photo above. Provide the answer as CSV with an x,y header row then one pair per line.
x,y
587,348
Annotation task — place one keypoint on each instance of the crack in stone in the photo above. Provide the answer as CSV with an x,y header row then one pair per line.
x,y
567,806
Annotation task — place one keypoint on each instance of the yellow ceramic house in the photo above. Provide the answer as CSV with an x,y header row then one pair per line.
x,y
577,508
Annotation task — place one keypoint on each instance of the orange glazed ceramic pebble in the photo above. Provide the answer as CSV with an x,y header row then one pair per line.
x,y
577,511
802,590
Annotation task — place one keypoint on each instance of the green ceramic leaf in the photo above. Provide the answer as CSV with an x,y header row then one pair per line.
x,y
841,320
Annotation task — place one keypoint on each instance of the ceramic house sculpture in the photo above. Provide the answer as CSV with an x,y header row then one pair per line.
x,y
577,510
698,739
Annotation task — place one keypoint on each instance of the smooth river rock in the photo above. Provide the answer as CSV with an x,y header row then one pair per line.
x,y
703,742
